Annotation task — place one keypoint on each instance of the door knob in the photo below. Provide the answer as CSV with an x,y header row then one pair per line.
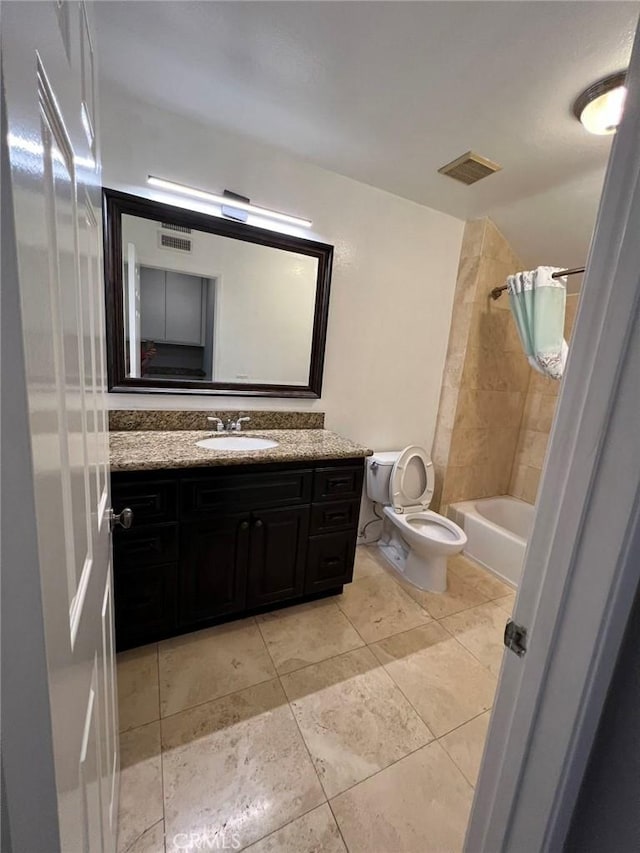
x,y
244,525
258,523
124,518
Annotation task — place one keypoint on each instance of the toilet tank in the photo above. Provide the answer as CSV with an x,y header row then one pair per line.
x,y
379,468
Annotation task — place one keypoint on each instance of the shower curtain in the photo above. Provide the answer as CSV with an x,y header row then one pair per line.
x,y
538,305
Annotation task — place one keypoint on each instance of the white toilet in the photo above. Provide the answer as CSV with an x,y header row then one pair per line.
x,y
415,540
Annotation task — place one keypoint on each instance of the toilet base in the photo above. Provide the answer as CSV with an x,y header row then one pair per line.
x,y
428,574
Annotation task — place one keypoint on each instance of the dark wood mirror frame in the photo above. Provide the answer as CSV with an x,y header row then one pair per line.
x,y
115,204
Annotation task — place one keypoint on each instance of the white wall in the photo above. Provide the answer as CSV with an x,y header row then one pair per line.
x,y
394,270
265,301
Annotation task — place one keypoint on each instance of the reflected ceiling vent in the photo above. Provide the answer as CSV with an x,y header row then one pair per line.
x,y
470,168
168,226
168,241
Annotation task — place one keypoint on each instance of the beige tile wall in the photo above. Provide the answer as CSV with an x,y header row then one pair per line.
x,y
540,406
495,412
486,375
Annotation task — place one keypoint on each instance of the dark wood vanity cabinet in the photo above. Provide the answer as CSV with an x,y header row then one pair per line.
x,y
215,543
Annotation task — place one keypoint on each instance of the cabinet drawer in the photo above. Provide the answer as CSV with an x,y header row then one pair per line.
x,y
145,604
236,492
330,561
332,484
336,515
152,501
146,546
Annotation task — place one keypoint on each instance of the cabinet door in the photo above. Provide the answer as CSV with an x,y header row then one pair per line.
x,y
278,554
145,604
330,561
152,304
213,568
184,309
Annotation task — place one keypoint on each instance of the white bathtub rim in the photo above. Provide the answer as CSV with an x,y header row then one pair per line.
x,y
469,508
495,547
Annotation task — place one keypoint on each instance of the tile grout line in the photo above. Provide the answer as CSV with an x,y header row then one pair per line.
x,y
339,828
164,816
216,698
473,655
393,763
470,720
144,832
291,711
349,620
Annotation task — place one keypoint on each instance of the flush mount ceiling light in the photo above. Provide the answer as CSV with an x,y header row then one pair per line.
x,y
218,198
600,107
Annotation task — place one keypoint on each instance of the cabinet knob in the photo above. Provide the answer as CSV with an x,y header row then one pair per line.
x,y
258,523
244,525
124,518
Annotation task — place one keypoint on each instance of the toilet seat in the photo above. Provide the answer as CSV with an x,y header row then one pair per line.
x,y
430,525
412,481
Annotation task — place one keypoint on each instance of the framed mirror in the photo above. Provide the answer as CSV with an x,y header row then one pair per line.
x,y
198,304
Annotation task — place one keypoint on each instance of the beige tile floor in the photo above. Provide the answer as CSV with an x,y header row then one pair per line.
x,y
355,723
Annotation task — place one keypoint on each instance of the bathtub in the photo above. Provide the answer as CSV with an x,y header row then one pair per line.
x,y
497,532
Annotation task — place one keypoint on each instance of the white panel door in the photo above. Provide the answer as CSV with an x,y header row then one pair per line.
x,y
49,74
133,305
184,308
153,308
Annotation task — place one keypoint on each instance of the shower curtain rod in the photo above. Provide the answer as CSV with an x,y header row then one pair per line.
x,y
496,293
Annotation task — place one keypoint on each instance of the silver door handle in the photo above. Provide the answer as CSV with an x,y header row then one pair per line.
x,y
124,518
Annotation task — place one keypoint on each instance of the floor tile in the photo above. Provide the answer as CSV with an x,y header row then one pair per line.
x,y
458,596
314,832
378,608
367,562
441,679
353,718
140,784
138,695
208,664
151,842
418,805
465,745
481,631
478,577
306,634
236,769
506,602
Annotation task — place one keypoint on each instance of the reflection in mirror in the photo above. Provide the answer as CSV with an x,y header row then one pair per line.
x,y
208,308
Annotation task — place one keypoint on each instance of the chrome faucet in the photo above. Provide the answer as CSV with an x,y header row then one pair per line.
x,y
230,425
236,426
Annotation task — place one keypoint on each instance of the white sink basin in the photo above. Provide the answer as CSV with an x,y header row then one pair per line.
x,y
236,442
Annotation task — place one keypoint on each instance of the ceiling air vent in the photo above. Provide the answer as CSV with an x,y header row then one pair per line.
x,y
168,226
167,241
469,168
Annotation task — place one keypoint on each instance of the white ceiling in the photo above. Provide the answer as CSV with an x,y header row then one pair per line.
x,y
387,92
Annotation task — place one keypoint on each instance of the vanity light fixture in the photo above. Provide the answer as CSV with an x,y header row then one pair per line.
x,y
599,108
218,198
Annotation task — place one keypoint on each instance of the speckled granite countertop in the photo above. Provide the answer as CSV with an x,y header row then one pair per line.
x,y
150,450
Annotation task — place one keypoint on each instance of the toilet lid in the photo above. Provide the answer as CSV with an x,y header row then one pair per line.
x,y
412,480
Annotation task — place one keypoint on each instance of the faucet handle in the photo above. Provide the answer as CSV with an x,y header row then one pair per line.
x,y
217,422
241,421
